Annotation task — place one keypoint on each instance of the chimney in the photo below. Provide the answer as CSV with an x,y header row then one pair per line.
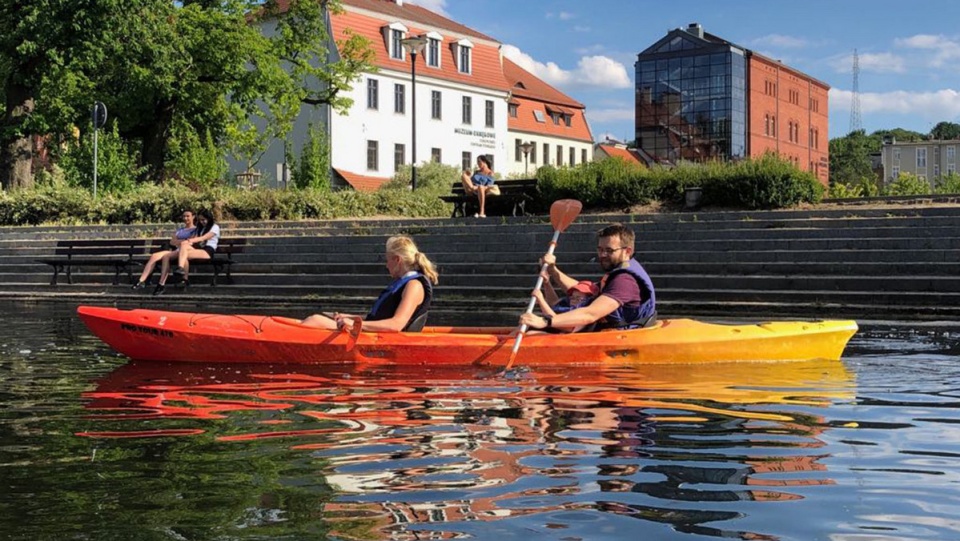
x,y
692,28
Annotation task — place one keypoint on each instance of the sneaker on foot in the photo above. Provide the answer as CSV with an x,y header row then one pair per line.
x,y
178,270
481,215
158,290
139,285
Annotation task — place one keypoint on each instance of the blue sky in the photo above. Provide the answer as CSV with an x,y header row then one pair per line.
x,y
909,52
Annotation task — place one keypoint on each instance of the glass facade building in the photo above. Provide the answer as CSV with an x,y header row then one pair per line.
x,y
691,98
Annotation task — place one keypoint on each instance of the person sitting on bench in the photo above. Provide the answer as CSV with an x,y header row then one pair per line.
x,y
480,183
182,234
201,246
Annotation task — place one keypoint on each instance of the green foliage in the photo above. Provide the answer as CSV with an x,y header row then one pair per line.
x,y
195,161
946,130
843,191
612,182
850,158
432,177
908,184
313,170
764,183
948,184
116,162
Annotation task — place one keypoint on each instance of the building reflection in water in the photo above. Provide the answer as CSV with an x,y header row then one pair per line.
x,y
419,453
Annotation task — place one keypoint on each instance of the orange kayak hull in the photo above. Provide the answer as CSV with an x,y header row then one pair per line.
x,y
155,335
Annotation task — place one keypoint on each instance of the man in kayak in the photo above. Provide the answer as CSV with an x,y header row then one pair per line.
x,y
627,299
404,304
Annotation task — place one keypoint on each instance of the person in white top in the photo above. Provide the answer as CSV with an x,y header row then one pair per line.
x,y
182,234
201,246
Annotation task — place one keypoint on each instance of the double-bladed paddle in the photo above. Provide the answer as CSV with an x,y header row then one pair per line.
x,y
562,213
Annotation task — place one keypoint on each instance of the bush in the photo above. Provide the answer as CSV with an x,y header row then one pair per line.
x,y
117,167
948,184
313,171
908,184
843,191
612,182
196,162
432,177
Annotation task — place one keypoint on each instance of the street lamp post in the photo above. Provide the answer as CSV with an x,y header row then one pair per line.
x,y
525,147
413,46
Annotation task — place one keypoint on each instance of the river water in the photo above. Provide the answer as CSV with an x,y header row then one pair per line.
x,y
95,447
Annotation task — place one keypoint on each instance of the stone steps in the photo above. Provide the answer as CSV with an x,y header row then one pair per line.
x,y
901,262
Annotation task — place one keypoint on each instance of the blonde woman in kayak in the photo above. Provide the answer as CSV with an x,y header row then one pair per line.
x,y
404,304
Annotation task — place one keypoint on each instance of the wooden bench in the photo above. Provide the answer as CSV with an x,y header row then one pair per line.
x,y
221,260
120,254
513,198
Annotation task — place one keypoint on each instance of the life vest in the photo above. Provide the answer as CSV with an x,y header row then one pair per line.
x,y
389,300
629,317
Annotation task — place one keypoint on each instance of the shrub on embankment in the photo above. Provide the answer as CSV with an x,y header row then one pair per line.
x,y
764,183
608,184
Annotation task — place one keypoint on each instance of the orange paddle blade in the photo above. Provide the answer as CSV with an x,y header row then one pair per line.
x,y
563,212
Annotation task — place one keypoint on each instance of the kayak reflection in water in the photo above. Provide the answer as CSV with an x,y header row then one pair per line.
x,y
626,300
404,304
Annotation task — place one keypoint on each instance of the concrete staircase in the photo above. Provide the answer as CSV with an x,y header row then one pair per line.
x,y
898,262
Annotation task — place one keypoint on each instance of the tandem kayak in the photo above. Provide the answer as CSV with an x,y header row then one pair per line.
x,y
154,335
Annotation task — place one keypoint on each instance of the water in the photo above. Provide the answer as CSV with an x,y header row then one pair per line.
x,y
95,447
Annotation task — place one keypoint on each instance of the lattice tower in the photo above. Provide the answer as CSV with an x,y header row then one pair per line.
x,y
856,122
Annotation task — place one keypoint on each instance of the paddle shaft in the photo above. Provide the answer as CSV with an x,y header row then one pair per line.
x,y
533,298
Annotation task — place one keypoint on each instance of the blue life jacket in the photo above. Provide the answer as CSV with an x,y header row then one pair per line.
x,y
631,317
389,300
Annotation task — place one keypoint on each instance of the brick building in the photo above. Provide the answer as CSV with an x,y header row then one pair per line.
x,y
700,97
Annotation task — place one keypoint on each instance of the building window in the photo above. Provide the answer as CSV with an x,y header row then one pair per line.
x,y
896,155
583,155
399,156
896,172
794,97
538,115
512,110
567,119
546,154
435,155
573,156
373,94
556,118
921,158
399,98
488,114
773,125
435,104
396,49
951,168
814,105
533,153
766,125
517,151
559,155
466,161
936,170
464,66
433,52
770,88
373,162
467,109
951,154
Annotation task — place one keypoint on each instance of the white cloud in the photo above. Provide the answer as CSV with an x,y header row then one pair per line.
x,y
565,16
944,50
436,6
599,71
780,40
580,28
875,62
935,105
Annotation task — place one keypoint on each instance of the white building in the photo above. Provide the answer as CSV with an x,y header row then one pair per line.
x,y
468,98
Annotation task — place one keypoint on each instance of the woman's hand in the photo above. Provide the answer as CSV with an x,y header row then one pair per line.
x,y
533,321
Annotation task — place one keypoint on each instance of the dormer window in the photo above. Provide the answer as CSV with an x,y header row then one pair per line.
x,y
432,51
393,34
463,53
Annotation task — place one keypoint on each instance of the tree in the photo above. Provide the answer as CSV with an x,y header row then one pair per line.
x,y
202,65
850,159
945,130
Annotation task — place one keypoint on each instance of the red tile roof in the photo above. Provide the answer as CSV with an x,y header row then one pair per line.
x,y
416,14
628,155
486,71
362,183
526,85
